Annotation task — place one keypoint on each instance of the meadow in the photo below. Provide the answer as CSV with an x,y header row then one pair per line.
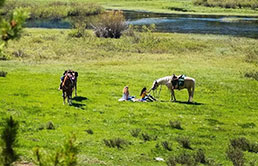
x,y
54,8
225,99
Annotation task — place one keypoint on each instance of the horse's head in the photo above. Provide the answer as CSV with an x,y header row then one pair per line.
x,y
154,85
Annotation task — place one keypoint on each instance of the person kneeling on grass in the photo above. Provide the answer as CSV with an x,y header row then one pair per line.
x,y
126,96
145,97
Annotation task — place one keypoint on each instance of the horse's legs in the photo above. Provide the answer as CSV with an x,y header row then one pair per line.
x,y
75,89
173,97
189,94
64,97
69,97
192,94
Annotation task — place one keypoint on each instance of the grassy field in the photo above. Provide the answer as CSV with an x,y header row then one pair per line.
x,y
226,101
162,6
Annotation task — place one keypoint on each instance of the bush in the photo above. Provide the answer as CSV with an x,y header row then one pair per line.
x,y
244,144
146,137
116,142
184,141
185,159
110,25
240,143
171,161
189,159
3,74
235,155
175,125
50,126
253,75
253,147
200,157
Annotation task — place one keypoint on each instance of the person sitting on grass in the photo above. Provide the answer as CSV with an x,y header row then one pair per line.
x,y
126,96
145,97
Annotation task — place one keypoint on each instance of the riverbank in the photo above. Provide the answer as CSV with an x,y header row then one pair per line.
x,y
163,6
226,106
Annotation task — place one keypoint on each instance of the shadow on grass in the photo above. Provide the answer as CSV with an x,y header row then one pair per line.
x,y
78,105
182,102
80,98
190,103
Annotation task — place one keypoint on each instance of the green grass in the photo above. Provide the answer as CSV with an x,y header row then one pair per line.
x,y
218,64
161,6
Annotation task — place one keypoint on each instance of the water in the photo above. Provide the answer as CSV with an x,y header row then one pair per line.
x,y
201,24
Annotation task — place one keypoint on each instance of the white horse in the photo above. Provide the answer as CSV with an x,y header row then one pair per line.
x,y
189,84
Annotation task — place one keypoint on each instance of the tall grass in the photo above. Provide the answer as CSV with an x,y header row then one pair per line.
x,y
53,10
228,3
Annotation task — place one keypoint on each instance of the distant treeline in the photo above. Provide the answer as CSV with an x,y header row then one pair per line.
x,y
53,10
228,3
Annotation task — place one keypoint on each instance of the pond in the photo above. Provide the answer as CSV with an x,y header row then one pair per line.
x,y
202,24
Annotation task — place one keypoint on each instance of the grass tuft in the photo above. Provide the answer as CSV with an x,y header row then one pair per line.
x,y
115,143
167,145
50,126
253,75
235,155
3,74
185,142
175,125
89,131
135,132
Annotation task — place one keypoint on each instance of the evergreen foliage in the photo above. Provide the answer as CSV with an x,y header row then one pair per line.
x,y
9,141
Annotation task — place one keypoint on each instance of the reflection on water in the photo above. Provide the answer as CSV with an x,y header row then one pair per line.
x,y
237,26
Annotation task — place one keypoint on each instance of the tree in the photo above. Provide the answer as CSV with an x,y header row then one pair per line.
x,y
11,27
9,141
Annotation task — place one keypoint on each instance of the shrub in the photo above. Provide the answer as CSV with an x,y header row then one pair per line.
x,y
241,143
235,155
66,156
253,147
253,75
50,126
188,159
3,74
116,142
146,137
167,145
89,131
200,156
184,141
171,161
69,152
175,125
135,132
185,159
9,141
110,25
